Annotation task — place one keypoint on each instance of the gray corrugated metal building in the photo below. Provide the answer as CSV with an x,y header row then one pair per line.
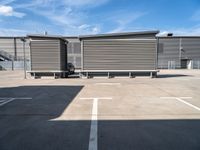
x,y
11,48
11,53
173,52
48,53
178,52
128,52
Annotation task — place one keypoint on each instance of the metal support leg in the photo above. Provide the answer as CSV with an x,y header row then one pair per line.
x,y
80,75
54,74
34,75
108,75
151,74
130,75
87,75
12,65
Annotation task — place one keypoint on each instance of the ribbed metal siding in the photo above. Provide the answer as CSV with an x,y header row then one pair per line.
x,y
191,48
19,47
45,55
170,52
119,54
7,45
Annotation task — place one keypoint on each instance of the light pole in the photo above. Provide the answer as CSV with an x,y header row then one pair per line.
x,y
24,40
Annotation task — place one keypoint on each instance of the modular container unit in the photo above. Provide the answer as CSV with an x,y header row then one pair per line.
x,y
122,52
48,54
179,52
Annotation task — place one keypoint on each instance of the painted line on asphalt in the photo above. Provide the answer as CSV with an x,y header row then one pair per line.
x,y
8,100
93,140
191,105
15,97
107,83
92,98
175,97
180,99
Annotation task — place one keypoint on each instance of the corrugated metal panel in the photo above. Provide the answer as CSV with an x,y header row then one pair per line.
x,y
45,55
191,48
19,49
175,49
7,47
119,55
168,50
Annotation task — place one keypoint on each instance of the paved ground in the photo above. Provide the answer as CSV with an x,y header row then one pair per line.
x,y
101,113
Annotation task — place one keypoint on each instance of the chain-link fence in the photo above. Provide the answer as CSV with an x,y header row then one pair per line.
x,y
195,64
171,64
14,65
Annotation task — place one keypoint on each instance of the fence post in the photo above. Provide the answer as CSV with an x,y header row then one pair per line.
x,y
12,64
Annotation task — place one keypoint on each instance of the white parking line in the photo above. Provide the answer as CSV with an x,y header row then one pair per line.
x,y
175,97
195,107
7,101
15,97
94,127
180,99
107,83
10,99
93,141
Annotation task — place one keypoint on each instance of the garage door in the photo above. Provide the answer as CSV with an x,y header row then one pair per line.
x,y
134,54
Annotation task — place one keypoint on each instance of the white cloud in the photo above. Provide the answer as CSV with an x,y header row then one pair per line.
x,y
8,11
70,15
85,2
123,19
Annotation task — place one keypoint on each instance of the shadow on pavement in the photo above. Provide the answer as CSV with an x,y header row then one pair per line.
x,y
172,75
28,125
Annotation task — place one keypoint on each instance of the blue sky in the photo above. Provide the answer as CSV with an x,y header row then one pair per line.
x,y
78,17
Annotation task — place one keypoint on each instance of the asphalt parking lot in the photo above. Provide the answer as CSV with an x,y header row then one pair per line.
x,y
106,114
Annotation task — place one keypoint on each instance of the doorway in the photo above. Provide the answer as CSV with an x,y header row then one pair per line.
x,y
186,64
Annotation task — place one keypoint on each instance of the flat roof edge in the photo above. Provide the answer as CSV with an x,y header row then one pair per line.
x,y
119,34
46,36
179,36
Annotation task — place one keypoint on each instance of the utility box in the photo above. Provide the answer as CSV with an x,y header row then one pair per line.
x,y
48,54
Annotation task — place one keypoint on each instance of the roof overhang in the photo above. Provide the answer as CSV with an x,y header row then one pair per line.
x,y
120,34
32,36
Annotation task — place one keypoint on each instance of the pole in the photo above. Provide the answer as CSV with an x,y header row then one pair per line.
x,y
24,59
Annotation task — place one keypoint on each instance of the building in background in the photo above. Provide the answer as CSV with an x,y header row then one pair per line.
x,y
11,53
174,52
179,52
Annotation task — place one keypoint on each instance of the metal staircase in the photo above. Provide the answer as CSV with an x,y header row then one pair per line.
x,y
5,56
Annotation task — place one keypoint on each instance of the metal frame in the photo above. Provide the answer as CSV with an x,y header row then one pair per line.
x,y
130,72
82,61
